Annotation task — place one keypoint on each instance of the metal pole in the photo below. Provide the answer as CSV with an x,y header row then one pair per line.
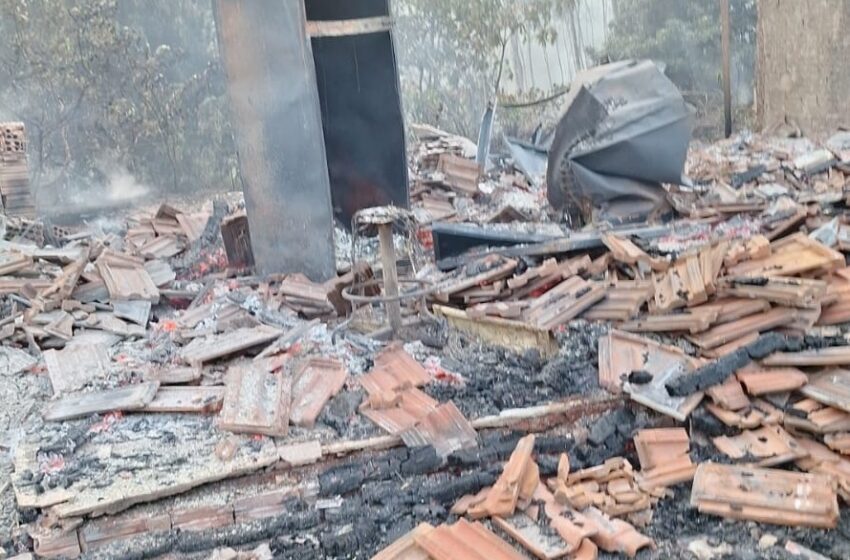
x,y
390,272
727,78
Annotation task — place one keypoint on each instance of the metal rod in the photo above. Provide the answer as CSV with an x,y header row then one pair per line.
x,y
390,272
727,74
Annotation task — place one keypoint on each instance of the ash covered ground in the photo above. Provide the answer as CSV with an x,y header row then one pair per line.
x,y
385,494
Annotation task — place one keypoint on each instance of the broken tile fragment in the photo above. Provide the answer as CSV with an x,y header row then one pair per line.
x,y
616,535
765,495
519,477
314,383
761,381
664,458
443,427
831,387
465,539
256,402
75,367
202,350
200,400
622,353
129,398
767,446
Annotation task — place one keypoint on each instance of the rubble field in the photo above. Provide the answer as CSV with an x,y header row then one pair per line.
x,y
668,390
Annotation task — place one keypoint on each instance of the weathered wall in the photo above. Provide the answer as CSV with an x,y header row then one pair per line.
x,y
804,64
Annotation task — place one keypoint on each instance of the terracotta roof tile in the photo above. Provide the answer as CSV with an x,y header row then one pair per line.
x,y
833,356
729,394
394,369
465,541
411,406
314,383
765,380
616,535
721,334
657,446
621,353
256,402
765,495
518,477
445,428
830,387
765,447
790,256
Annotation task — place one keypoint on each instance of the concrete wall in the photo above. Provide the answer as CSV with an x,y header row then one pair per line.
x,y
804,64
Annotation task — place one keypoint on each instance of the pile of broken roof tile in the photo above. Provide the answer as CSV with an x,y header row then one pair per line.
x,y
749,308
544,523
729,323
753,307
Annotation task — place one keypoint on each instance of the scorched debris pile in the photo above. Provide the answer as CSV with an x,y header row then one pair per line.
x,y
176,405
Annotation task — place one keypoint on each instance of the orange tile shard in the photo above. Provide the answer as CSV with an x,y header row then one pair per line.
x,y
621,353
564,302
519,479
467,540
766,495
790,256
314,383
616,535
834,356
394,369
398,406
664,458
762,381
445,428
765,447
830,387
729,394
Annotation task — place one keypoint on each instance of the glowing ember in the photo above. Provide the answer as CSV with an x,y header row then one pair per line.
x,y
106,422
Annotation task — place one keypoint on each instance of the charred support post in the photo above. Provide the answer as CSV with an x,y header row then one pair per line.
x,y
727,74
277,121
390,272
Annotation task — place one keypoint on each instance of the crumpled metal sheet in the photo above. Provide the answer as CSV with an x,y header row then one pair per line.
x,y
529,158
625,132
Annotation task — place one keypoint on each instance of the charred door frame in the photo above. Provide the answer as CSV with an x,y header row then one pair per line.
x,y
361,105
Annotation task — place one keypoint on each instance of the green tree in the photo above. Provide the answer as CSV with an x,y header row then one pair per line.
x,y
102,84
684,35
452,54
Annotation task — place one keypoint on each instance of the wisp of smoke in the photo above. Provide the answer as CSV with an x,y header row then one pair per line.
x,y
122,185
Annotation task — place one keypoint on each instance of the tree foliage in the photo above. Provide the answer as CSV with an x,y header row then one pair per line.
x,y
683,34
137,84
452,54
104,85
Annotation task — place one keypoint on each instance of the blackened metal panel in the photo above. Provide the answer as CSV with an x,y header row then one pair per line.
x,y
277,122
330,10
361,114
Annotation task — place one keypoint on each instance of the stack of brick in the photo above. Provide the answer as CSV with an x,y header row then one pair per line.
x,y
17,199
